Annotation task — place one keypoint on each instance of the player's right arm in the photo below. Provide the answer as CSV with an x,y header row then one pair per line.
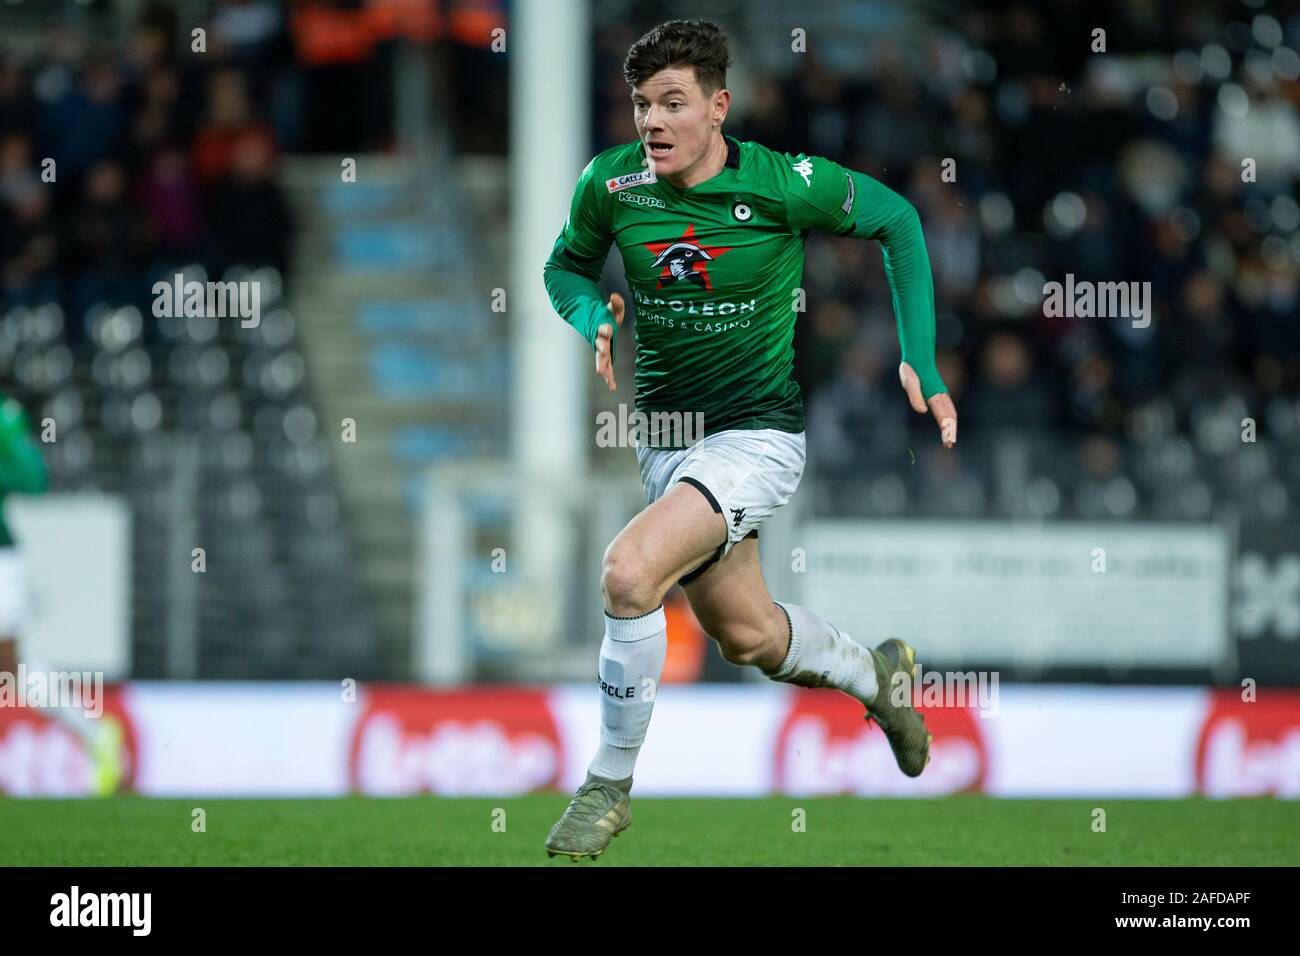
x,y
573,270
21,467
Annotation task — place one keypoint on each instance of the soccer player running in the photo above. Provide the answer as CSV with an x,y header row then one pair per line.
x,y
22,470
712,231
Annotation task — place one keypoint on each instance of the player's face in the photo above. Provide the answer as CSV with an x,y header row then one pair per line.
x,y
676,120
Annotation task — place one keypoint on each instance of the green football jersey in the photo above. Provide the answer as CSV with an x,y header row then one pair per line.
x,y
715,272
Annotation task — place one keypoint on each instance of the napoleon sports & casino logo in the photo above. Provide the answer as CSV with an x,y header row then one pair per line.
x,y
478,741
1250,748
825,746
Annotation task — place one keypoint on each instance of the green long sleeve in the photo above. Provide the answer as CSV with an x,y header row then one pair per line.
x,y
884,215
573,269
21,466
575,295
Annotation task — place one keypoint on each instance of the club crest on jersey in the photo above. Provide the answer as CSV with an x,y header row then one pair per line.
x,y
742,210
684,260
679,260
643,178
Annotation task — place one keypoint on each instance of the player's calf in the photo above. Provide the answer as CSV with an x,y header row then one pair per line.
x,y
820,655
758,643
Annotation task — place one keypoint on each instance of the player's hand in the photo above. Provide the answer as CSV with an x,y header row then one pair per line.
x,y
941,406
604,334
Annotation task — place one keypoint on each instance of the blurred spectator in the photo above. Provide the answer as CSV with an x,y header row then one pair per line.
x,y
248,212
28,246
86,122
169,196
230,125
853,421
110,245
17,170
1009,393
346,64
18,110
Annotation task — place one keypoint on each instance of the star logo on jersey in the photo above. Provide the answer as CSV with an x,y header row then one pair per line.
x,y
685,260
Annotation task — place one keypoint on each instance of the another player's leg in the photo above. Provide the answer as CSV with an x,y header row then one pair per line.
x,y
795,645
102,737
665,541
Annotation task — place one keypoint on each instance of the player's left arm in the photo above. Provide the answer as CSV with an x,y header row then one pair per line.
x,y
849,203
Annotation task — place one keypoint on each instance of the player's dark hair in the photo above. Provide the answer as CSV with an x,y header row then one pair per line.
x,y
696,43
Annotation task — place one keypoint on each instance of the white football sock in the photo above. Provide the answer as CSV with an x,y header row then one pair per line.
x,y
822,656
631,660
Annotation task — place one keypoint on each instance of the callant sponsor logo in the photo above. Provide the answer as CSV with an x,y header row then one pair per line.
x,y
631,179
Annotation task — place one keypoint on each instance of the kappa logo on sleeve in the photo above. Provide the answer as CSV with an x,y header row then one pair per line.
x,y
643,178
805,169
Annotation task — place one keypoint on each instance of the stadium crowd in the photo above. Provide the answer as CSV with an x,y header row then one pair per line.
x,y
1119,166
117,166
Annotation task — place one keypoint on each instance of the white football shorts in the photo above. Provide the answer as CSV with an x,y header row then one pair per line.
x,y
746,474
13,592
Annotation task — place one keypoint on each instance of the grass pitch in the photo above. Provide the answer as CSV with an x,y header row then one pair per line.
x,y
839,831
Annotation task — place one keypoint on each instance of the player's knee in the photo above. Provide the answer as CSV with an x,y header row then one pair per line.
x,y
626,583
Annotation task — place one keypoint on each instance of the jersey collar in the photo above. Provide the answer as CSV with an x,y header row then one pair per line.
x,y
732,162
